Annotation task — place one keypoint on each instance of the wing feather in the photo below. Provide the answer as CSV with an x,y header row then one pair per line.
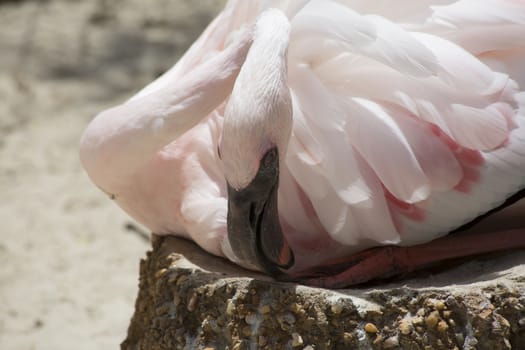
x,y
372,131
393,100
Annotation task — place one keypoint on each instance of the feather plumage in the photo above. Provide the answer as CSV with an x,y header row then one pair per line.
x,y
409,120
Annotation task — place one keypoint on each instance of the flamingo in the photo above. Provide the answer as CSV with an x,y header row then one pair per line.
x,y
328,142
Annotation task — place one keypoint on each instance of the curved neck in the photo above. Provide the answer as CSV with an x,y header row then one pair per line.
x,y
258,115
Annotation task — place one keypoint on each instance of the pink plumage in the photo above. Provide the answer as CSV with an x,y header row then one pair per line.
x,y
408,122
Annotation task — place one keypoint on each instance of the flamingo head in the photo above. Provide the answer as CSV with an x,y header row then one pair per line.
x,y
256,131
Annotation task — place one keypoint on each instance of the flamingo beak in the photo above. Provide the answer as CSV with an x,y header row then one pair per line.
x,y
254,230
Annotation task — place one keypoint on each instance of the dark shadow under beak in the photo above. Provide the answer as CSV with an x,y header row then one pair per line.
x,y
254,230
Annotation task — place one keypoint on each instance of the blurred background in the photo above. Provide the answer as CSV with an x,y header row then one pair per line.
x,y
68,258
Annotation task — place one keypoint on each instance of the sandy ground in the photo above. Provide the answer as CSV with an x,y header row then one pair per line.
x,y
68,265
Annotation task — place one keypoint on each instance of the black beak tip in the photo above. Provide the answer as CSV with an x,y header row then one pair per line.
x,y
254,229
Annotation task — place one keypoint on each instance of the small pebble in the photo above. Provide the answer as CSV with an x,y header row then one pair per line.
x,y
378,340
417,321
470,342
192,303
432,319
247,331
160,273
176,298
405,327
308,347
451,323
230,308
504,322
442,326
297,340
451,302
208,324
391,342
347,337
460,338
298,309
251,318
262,340
371,328
447,314
286,321
265,309
403,310
440,305
295,307
485,314
181,279
420,329
514,302
337,308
